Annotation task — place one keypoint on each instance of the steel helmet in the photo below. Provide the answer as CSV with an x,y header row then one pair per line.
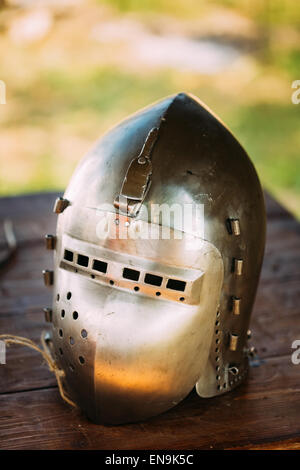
x,y
159,245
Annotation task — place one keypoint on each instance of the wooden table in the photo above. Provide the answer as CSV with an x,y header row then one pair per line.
x,y
263,413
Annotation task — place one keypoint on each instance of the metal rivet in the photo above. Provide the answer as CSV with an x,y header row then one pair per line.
x,y
48,314
252,351
238,266
233,342
233,370
50,241
236,306
60,205
235,226
48,277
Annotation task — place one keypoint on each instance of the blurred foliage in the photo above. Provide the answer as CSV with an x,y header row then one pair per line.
x,y
264,11
60,104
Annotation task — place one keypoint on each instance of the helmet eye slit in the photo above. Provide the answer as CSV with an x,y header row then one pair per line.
x,y
131,274
102,267
176,284
83,260
153,279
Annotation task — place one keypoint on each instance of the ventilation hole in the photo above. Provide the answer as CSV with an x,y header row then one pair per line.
x,y
136,288
69,295
83,260
76,270
92,276
217,332
81,359
99,266
68,255
182,299
218,377
217,323
158,294
218,314
217,349
217,358
57,297
72,340
175,284
75,315
217,340
111,282
153,280
62,314
61,351
71,367
60,332
224,386
131,274
84,333
219,387
217,368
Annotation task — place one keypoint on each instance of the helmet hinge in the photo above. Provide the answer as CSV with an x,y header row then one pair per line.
x,y
137,180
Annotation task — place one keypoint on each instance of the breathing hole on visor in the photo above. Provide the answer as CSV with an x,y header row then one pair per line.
x,y
131,274
158,293
68,256
81,359
60,332
69,295
136,288
62,313
182,299
72,340
153,279
176,284
82,260
84,333
75,315
99,266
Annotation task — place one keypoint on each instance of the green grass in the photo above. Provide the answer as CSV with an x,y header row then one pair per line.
x,y
271,12
93,101
56,106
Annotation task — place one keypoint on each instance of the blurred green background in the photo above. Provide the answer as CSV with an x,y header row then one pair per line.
x,y
74,68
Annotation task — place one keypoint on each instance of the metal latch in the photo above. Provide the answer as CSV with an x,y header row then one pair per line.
x,y
137,179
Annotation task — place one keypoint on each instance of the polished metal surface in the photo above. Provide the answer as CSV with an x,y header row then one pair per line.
x,y
137,323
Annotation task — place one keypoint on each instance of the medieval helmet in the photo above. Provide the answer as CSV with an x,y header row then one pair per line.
x,y
146,307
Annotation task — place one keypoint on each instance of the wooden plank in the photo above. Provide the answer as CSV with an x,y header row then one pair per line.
x,y
21,286
275,323
265,408
24,368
